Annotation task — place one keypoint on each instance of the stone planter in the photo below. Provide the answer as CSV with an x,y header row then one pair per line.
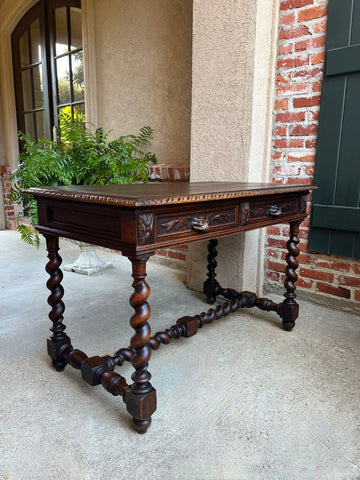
x,y
88,261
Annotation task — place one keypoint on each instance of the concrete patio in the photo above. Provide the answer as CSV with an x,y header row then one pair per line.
x,y
241,400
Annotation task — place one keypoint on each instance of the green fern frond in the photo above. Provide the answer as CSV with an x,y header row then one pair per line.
x,y
28,235
79,157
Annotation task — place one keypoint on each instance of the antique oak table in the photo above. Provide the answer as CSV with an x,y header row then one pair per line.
x,y
137,220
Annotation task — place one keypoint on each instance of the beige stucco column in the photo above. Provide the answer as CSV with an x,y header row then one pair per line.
x,y
234,51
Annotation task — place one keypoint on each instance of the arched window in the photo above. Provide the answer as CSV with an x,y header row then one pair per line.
x,y
48,66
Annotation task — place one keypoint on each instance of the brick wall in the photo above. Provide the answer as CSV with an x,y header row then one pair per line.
x,y
10,215
300,61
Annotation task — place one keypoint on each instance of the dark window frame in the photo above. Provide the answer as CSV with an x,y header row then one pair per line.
x,y
44,10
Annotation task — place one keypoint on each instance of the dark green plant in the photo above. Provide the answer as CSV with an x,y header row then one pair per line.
x,y
79,157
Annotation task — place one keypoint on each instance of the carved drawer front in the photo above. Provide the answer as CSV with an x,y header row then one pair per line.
x,y
275,210
199,222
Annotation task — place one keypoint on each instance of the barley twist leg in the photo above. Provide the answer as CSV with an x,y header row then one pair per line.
x,y
140,397
58,341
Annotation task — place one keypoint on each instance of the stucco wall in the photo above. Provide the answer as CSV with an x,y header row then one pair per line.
x,y
234,48
143,71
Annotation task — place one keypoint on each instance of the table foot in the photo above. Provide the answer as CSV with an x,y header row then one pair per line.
x,y
140,407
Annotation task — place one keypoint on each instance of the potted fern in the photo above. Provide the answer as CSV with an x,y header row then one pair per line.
x,y
78,157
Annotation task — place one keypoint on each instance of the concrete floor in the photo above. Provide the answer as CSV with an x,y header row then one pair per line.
x,y
241,400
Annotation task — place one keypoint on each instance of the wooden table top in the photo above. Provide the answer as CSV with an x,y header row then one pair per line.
x,y
135,195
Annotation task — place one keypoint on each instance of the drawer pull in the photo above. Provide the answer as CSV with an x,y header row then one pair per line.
x,y
274,211
199,224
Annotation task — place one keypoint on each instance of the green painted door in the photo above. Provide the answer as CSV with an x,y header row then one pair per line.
x,y
335,218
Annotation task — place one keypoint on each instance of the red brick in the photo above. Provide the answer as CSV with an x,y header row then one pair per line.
x,y
317,274
280,132
303,102
310,44
310,170
296,143
280,143
336,291
320,27
287,19
162,252
339,266
276,242
285,49
308,74
305,259
306,222
314,116
176,255
281,79
287,33
272,253
290,4
311,143
283,143
349,281
304,232
304,283
183,248
273,230
357,296
292,89
301,158
290,117
282,104
299,181
277,155
303,246
276,266
293,62
316,86
286,170
356,268
318,58
273,276
312,13
299,130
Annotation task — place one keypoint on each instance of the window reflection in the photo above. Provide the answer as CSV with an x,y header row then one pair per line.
x,y
75,25
62,38
39,99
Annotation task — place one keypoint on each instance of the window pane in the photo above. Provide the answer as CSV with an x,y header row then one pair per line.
x,y
78,76
61,31
35,41
75,25
26,88
38,86
29,126
24,50
62,70
40,124
80,108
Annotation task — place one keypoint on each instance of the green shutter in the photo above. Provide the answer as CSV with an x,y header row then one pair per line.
x,y
335,218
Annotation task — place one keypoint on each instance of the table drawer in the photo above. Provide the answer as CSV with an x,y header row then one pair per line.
x,y
272,209
196,223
